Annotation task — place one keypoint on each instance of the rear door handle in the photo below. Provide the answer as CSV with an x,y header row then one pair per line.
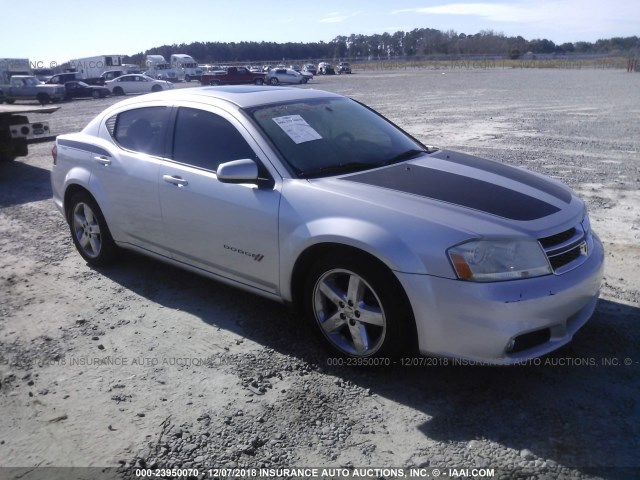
x,y
179,181
102,160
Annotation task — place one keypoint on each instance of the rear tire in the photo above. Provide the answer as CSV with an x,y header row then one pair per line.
x,y
95,94
273,81
89,230
358,307
259,81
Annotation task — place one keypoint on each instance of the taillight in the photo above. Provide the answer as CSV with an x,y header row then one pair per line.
x,y
54,153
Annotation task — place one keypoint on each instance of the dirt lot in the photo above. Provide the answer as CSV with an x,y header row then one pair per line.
x,y
142,364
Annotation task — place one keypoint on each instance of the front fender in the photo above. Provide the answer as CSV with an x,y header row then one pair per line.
x,y
368,237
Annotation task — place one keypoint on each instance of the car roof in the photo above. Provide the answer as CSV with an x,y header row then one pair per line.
x,y
244,96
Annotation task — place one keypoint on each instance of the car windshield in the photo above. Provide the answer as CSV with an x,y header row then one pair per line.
x,y
325,137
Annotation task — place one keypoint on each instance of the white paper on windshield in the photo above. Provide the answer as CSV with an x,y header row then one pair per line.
x,y
297,128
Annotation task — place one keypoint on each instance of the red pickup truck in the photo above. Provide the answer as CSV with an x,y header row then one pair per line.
x,y
232,76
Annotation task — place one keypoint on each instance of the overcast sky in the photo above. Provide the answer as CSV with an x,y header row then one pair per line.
x,y
52,31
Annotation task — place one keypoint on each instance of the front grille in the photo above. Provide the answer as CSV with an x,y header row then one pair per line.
x,y
566,250
558,238
565,258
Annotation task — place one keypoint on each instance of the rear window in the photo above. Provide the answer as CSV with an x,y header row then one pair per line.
x,y
141,130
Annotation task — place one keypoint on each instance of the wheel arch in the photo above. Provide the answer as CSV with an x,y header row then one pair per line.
x,y
388,248
73,189
307,257
304,263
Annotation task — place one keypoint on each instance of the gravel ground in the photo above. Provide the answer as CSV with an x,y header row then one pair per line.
x,y
144,365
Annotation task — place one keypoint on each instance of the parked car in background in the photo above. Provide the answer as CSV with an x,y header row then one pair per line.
x,y
43,74
232,76
212,69
310,68
325,68
295,67
28,87
344,67
384,244
111,74
78,89
126,84
62,78
285,76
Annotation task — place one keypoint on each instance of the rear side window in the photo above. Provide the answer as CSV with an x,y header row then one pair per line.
x,y
141,130
205,140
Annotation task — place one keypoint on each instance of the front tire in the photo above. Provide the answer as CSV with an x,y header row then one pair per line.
x,y
118,91
43,98
156,88
95,94
89,230
358,307
273,81
259,81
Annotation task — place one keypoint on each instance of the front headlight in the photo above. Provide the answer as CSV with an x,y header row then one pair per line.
x,y
498,260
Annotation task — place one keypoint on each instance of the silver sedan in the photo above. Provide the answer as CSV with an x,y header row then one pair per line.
x,y
286,76
386,245
136,83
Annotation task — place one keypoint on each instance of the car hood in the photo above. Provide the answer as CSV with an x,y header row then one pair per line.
x,y
486,192
414,211
475,183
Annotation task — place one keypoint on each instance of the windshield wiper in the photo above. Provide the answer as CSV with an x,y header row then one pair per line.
x,y
407,155
337,169
357,166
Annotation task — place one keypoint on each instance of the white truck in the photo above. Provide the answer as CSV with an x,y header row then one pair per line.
x,y
13,66
90,68
157,67
188,65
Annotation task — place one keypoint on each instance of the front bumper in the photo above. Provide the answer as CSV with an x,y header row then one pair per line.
x,y
503,322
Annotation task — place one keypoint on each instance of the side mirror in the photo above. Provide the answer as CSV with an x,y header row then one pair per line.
x,y
238,171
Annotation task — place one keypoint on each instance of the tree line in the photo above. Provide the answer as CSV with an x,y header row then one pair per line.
x,y
419,42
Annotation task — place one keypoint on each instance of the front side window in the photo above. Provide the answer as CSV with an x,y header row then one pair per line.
x,y
142,130
205,140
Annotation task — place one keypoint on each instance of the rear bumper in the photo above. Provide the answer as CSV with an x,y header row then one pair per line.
x,y
503,322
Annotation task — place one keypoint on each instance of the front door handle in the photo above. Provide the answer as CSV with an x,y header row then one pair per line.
x,y
179,181
102,160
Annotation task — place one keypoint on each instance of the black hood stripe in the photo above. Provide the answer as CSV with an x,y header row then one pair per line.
x,y
509,172
457,189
